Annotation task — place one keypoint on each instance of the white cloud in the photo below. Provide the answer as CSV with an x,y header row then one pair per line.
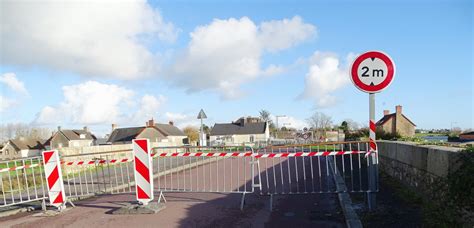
x,y
278,35
225,54
5,103
97,38
289,122
13,83
93,102
326,75
182,120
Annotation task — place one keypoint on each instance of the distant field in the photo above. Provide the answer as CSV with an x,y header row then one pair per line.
x,y
429,134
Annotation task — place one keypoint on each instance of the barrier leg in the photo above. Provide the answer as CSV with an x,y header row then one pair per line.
x,y
242,202
161,196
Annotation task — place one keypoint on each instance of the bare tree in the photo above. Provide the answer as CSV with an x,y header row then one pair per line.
x,y
18,130
319,121
265,116
352,125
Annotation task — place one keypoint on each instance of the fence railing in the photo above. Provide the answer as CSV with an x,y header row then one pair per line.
x,y
289,169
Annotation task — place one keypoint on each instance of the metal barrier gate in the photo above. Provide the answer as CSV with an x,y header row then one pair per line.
x,y
291,169
206,169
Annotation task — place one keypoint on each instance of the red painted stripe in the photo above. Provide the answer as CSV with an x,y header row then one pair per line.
x,y
102,161
59,199
271,155
174,154
372,125
248,154
91,162
298,154
142,169
326,153
124,160
258,155
80,163
113,160
141,194
235,154
210,154
142,143
12,168
162,154
186,154
355,152
222,154
47,155
69,163
312,153
53,177
198,154
340,152
285,154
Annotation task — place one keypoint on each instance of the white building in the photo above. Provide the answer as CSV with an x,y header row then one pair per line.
x,y
248,131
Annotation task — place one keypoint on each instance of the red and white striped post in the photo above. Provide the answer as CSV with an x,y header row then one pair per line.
x,y
143,170
54,179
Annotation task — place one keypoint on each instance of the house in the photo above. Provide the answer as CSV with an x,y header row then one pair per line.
x,y
396,123
468,136
248,130
22,148
72,138
154,132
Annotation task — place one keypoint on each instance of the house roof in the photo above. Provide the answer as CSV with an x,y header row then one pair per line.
x,y
128,134
384,119
169,130
26,144
76,134
238,129
467,133
125,134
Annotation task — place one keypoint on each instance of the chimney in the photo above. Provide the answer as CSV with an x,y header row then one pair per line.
x,y
386,112
114,126
171,123
398,109
150,123
59,128
86,129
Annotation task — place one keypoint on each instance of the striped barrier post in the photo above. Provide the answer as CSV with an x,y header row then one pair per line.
x,y
54,179
143,170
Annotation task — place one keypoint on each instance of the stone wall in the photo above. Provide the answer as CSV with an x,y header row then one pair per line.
x,y
416,166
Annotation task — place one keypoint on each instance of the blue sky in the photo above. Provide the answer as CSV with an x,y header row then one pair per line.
x,y
102,63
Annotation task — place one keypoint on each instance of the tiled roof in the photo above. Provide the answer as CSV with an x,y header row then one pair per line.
x,y
169,130
238,129
25,144
384,119
76,134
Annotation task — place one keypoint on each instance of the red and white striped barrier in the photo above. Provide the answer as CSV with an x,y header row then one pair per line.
x,y
54,178
92,162
257,155
18,168
143,170
372,144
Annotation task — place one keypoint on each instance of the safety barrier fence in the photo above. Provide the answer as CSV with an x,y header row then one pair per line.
x,y
290,169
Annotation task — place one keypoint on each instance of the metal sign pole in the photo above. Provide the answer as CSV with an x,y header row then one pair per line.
x,y
372,159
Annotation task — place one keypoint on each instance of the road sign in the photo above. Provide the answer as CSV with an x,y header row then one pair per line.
x,y
201,115
372,71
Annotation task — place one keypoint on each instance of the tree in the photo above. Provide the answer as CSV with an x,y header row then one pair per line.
x,y
192,133
266,116
344,126
352,125
319,121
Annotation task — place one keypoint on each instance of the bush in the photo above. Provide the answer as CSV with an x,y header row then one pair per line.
x,y
381,134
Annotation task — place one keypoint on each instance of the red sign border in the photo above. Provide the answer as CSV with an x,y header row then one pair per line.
x,y
373,54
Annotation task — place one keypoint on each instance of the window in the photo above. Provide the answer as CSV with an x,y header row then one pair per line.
x,y
7,152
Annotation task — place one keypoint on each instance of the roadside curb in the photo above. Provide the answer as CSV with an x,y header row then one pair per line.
x,y
351,217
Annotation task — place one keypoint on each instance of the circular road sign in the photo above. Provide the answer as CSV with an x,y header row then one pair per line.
x,y
372,71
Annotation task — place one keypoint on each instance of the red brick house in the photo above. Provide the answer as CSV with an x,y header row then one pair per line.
x,y
396,122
